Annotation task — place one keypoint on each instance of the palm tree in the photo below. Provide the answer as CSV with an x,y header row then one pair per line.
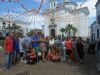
x,y
74,31
69,28
62,30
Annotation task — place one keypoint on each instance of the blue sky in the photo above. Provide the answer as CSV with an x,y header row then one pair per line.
x,y
15,7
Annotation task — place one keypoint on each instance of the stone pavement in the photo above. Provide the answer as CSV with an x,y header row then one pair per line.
x,y
50,68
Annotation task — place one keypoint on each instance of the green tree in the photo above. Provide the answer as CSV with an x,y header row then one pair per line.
x,y
62,31
74,30
31,32
68,29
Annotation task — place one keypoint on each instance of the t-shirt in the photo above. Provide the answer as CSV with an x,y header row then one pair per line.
x,y
74,44
20,44
51,42
35,44
26,41
62,43
9,44
68,44
16,45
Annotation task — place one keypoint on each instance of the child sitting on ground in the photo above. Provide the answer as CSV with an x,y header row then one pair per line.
x,y
31,56
53,54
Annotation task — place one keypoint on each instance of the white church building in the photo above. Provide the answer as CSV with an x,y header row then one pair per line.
x,y
61,14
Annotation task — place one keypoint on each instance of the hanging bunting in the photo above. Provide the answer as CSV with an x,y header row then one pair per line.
x,y
24,7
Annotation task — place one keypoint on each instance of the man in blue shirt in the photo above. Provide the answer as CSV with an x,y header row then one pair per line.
x,y
35,42
16,48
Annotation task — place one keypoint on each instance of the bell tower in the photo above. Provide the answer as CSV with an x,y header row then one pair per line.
x,y
53,4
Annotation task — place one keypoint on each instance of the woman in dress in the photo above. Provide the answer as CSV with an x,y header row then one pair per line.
x,y
43,48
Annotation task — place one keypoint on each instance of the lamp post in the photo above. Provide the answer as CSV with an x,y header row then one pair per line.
x,y
9,22
3,27
14,27
43,30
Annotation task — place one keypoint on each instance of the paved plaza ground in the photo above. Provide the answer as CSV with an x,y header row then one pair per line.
x,y
50,68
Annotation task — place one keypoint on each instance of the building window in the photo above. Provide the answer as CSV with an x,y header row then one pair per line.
x,y
97,33
98,19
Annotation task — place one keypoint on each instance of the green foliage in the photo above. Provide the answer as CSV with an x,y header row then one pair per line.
x,y
62,30
31,32
68,29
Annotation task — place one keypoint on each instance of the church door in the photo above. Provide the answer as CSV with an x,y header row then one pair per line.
x,y
53,32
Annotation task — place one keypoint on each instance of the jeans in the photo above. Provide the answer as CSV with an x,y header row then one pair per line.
x,y
64,53
16,53
9,58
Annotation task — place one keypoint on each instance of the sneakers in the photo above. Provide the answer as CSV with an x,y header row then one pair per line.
x,y
25,61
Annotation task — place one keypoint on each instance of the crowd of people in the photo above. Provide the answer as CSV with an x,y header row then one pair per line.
x,y
30,49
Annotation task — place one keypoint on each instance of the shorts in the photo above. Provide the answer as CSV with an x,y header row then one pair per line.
x,y
37,49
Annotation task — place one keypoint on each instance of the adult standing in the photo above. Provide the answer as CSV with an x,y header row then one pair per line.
x,y
74,42
51,41
47,45
16,48
80,49
21,48
43,48
68,43
35,44
8,45
63,48
26,43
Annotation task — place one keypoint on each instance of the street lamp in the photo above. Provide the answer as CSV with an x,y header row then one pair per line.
x,y
43,30
14,27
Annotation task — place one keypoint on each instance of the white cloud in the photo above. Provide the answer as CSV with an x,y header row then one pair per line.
x,y
91,5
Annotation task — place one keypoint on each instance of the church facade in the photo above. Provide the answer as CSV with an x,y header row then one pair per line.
x,y
61,14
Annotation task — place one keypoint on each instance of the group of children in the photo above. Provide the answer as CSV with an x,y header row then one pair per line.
x,y
52,55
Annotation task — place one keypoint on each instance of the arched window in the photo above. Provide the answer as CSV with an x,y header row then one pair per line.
x,y
53,32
